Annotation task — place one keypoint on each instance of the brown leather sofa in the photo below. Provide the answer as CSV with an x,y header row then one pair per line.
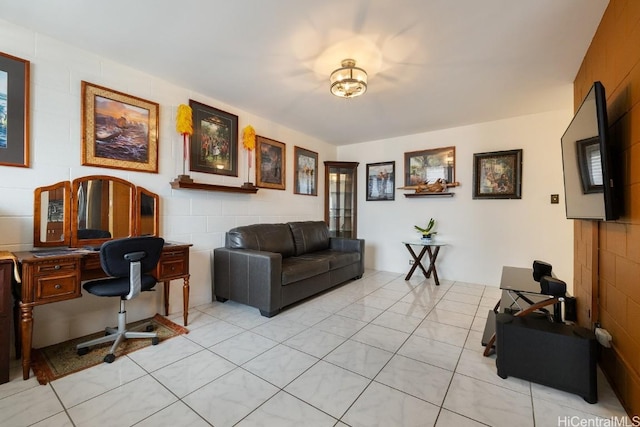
x,y
270,266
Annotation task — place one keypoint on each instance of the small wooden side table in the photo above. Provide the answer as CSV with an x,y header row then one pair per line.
x,y
432,249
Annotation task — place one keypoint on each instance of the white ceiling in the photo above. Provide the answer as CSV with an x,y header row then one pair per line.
x,y
432,64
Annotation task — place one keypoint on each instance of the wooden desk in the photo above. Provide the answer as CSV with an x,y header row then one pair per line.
x,y
417,259
58,277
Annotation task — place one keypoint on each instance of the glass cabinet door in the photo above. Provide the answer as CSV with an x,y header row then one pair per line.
x,y
341,198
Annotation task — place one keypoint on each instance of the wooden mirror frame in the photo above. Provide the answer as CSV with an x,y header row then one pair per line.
x,y
96,242
155,221
136,224
39,216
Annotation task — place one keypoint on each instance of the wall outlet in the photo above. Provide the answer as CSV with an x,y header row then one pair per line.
x,y
555,199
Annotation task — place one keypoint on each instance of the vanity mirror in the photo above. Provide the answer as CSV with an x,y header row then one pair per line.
x,y
91,210
147,216
51,215
102,209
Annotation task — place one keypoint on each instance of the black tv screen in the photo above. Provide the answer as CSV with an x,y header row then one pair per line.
x,y
587,154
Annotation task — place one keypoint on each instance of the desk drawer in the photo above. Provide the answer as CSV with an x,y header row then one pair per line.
x,y
54,279
47,268
173,264
92,262
171,267
56,286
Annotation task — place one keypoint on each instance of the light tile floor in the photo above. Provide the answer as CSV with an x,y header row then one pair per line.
x,y
379,351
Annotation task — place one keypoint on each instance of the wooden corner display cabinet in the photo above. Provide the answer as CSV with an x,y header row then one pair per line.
x,y
340,198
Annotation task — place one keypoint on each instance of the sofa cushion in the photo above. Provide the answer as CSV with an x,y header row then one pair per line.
x,y
342,259
262,237
299,268
309,236
336,259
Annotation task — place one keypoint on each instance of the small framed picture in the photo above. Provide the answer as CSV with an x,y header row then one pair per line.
x,y
271,160
306,172
497,175
381,181
119,131
14,111
214,143
427,166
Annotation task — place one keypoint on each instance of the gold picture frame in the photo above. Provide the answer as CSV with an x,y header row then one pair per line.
x,y
119,131
14,111
271,160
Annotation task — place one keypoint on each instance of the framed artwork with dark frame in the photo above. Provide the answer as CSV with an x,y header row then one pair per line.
x,y
214,143
306,172
14,111
497,175
119,131
381,181
590,165
426,166
271,160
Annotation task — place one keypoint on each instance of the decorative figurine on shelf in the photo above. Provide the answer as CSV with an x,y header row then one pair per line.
x,y
184,126
427,233
249,144
438,186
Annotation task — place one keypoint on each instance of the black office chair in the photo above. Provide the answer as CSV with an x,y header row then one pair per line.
x,y
128,263
556,290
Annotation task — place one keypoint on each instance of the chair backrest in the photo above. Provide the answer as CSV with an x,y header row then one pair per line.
x,y
552,286
541,268
112,254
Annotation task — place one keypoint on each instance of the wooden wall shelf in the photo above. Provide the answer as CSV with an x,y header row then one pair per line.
x,y
428,194
177,185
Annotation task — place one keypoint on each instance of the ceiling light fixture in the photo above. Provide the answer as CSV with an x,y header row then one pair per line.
x,y
348,81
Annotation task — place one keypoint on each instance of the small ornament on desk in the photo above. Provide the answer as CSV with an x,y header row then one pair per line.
x,y
428,233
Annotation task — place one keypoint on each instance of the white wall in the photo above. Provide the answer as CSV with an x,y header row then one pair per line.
x,y
197,217
483,234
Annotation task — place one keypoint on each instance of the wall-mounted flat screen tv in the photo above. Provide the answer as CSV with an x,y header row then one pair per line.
x,y
587,154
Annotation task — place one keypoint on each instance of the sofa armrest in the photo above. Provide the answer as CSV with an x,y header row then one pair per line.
x,y
248,276
346,245
343,244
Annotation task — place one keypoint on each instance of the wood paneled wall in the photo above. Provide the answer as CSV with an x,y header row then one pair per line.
x,y
607,254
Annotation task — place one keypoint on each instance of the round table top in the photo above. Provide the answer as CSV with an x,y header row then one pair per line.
x,y
420,242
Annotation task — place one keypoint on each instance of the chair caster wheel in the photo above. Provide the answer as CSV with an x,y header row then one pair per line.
x,y
109,358
155,341
149,328
82,351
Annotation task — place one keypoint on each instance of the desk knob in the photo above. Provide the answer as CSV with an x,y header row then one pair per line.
x,y
56,267
58,286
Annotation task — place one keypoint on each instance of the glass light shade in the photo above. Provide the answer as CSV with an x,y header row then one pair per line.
x,y
348,81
